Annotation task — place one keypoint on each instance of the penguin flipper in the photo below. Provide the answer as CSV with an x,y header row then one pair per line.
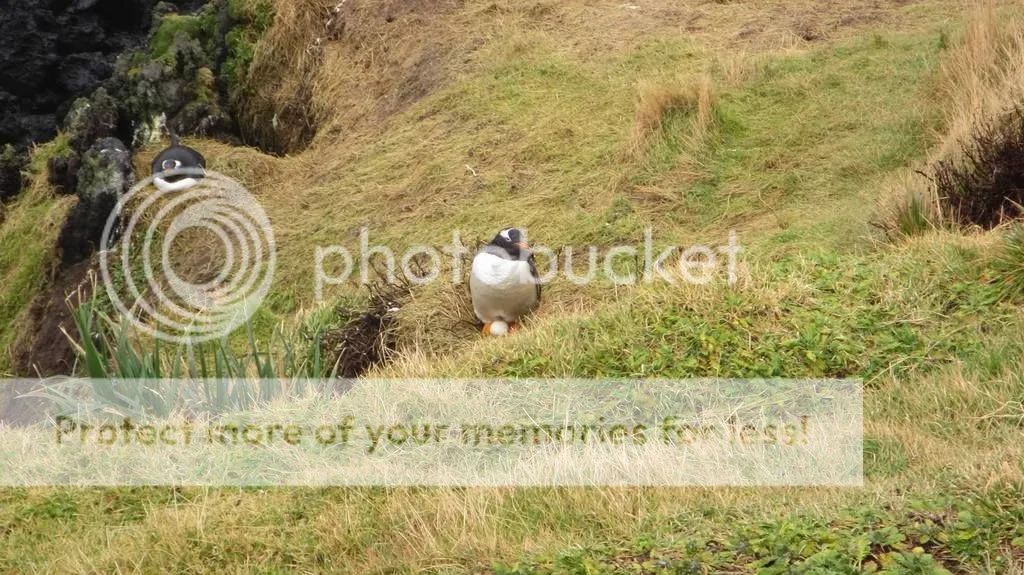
x,y
536,280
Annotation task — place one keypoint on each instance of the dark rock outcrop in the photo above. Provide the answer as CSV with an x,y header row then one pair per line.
x,y
109,72
174,82
51,52
177,65
54,52
89,120
12,161
116,72
106,173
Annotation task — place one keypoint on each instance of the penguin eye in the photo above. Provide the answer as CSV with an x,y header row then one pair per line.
x,y
170,164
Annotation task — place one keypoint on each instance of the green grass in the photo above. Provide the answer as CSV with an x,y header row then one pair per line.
x,y
926,538
1008,268
816,315
252,18
818,129
802,145
28,234
546,135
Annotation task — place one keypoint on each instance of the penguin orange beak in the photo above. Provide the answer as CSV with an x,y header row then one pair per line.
x,y
523,246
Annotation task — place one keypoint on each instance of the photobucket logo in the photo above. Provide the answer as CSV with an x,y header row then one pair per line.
x,y
218,221
620,265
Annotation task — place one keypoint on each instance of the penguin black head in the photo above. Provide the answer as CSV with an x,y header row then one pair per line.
x,y
177,167
512,242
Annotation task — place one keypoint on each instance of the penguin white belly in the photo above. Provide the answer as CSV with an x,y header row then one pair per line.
x,y
183,184
502,290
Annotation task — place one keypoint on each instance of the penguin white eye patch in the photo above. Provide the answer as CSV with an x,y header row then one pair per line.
x,y
170,164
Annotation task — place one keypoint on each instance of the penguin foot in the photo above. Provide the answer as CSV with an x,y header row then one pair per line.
x,y
486,329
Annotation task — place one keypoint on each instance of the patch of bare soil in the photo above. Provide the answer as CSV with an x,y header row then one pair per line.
x,y
43,350
365,339
46,351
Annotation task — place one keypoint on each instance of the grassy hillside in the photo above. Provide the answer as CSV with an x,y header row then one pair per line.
x,y
28,233
794,124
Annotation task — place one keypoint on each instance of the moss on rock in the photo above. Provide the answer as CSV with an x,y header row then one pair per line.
x,y
201,26
105,175
194,69
89,119
250,19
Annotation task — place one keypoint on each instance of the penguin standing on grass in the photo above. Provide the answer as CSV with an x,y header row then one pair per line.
x,y
178,167
503,282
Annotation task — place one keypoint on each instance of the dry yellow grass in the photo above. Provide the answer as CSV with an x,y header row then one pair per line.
x,y
982,79
657,99
514,110
277,106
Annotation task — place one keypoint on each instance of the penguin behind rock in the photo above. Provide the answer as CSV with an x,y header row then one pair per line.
x,y
178,167
503,282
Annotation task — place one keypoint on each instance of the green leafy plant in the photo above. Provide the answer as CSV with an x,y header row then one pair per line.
x,y
131,374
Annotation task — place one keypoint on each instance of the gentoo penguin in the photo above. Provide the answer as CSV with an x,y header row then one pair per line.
x,y
503,282
178,167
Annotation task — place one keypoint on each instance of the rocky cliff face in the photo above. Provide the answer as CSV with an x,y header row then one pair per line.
x,y
154,59
100,78
132,70
52,51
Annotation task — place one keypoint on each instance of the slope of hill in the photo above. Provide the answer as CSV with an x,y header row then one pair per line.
x,y
795,125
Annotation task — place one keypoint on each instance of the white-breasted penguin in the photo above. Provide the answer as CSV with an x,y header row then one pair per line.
x,y
503,282
178,167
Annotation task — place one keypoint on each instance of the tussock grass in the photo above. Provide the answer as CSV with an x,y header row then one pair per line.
x,y
274,102
983,76
381,59
656,101
982,90
908,206
1008,267
675,124
526,119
